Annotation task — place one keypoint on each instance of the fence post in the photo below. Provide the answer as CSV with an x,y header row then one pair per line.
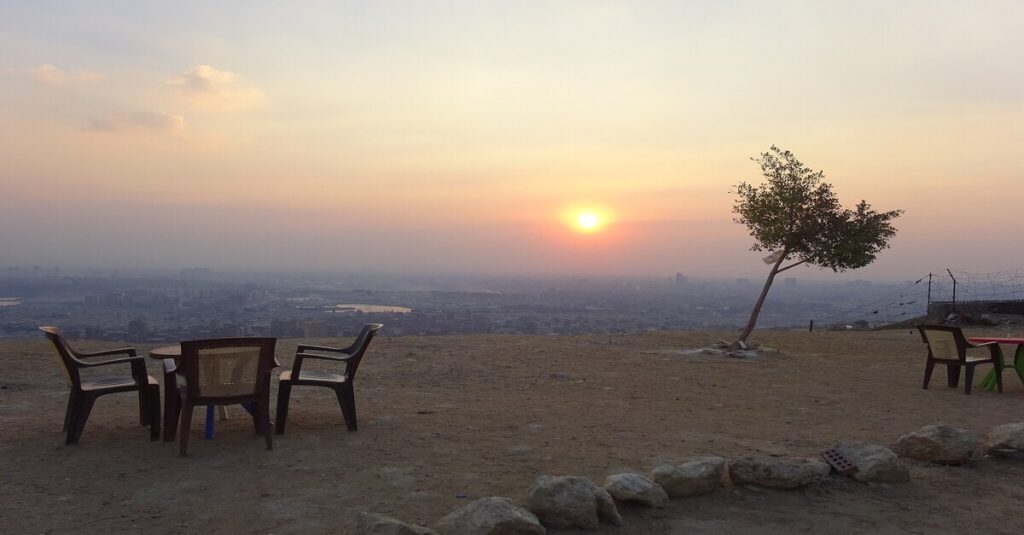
x,y
954,289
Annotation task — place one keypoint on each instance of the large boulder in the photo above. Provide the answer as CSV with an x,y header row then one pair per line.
x,y
777,473
1006,437
571,501
491,516
874,462
374,524
635,488
691,478
938,444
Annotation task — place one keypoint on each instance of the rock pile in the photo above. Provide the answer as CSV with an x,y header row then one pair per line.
x,y
566,502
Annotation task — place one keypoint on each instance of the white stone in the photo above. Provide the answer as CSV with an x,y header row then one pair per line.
x,y
1006,437
938,444
491,516
874,462
635,488
571,501
777,473
691,478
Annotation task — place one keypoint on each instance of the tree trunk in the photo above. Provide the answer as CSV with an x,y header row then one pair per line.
x,y
760,300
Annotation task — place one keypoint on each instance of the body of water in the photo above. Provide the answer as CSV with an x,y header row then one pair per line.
x,y
9,302
371,309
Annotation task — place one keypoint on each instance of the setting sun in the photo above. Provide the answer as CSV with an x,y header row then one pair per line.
x,y
588,221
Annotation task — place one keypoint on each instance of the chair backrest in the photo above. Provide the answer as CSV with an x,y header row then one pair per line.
x,y
227,368
359,347
944,342
65,355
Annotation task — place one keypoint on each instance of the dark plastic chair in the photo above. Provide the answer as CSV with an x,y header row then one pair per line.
x,y
947,345
342,384
227,371
84,393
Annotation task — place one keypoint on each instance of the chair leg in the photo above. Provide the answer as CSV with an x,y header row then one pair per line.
x,y
347,400
69,411
968,378
71,417
263,415
928,368
172,407
186,426
953,374
144,405
84,407
999,379
284,393
154,412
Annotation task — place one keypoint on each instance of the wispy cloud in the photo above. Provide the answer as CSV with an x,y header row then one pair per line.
x,y
137,121
52,75
208,87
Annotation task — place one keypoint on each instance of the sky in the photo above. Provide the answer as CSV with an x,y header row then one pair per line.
x,y
426,136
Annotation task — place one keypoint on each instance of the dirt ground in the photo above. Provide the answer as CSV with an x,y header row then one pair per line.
x,y
445,420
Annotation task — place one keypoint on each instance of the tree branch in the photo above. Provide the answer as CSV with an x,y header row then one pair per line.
x,y
791,266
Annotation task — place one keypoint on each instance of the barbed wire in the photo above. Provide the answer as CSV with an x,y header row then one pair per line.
x,y
908,301
998,286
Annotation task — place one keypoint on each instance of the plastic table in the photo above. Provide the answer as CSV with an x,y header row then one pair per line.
x,y
989,382
168,355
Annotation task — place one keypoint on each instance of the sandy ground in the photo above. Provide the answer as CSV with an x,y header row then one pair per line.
x,y
444,420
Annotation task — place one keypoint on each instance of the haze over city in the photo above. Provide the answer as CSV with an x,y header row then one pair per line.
x,y
470,136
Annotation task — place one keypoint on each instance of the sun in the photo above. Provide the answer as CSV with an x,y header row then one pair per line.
x,y
588,221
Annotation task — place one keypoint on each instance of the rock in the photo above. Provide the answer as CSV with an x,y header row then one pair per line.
x,y
874,462
692,478
635,488
777,473
374,524
490,516
744,354
1006,437
939,444
571,501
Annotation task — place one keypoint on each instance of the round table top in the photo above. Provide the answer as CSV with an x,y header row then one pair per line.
x,y
166,352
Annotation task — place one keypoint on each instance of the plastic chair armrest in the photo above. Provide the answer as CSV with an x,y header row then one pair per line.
x,y
130,351
111,361
346,358
304,347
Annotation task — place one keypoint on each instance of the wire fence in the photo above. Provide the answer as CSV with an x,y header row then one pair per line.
x,y
912,300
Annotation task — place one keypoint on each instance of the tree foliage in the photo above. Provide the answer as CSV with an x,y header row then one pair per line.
x,y
796,215
794,211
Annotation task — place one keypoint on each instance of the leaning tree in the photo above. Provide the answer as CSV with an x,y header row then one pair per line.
x,y
796,216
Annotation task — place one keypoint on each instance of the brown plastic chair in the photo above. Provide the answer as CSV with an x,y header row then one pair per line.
x,y
342,384
947,345
84,393
226,371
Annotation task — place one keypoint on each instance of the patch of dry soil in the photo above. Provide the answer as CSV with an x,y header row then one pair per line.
x,y
444,420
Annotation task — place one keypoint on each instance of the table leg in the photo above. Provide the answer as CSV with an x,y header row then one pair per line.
x,y
208,432
171,403
1018,361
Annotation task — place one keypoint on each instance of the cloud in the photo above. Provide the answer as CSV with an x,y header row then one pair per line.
x,y
52,75
137,121
208,87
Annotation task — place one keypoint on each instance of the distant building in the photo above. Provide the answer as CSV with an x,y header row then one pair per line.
x,y
314,329
138,330
681,279
284,328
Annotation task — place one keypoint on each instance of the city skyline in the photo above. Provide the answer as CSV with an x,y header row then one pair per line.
x,y
461,137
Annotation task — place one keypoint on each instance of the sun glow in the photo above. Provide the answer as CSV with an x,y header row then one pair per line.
x,y
586,220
